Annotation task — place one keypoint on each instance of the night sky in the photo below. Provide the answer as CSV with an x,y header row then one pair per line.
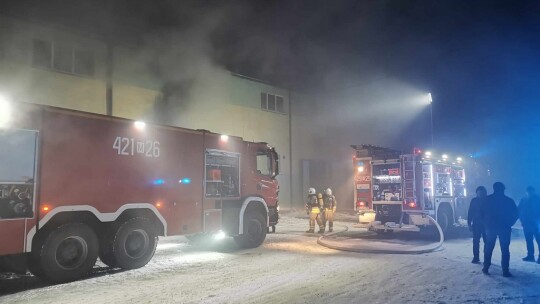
x,y
480,59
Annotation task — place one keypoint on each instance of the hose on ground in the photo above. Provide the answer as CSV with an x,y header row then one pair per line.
x,y
394,250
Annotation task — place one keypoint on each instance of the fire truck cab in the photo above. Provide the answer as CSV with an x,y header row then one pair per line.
x,y
395,191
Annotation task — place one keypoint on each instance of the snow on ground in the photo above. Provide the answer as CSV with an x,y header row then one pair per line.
x,y
291,268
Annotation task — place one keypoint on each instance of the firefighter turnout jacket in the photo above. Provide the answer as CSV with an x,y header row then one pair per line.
x,y
329,202
313,205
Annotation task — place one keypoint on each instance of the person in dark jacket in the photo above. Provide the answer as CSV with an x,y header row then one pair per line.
x,y
474,220
499,214
529,215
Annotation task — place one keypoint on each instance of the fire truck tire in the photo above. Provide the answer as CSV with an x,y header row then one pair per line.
x,y
134,243
106,254
34,264
443,219
384,232
66,253
254,231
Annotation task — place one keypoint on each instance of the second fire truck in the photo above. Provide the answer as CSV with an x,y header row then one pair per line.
x,y
395,191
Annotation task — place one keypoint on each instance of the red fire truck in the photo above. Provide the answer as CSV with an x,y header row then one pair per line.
x,y
395,191
75,186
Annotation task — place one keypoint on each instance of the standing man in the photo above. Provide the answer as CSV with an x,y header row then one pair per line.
x,y
499,214
474,220
529,215
314,211
330,205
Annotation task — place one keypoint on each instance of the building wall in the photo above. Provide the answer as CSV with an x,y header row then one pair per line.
x,y
229,104
219,101
261,125
21,80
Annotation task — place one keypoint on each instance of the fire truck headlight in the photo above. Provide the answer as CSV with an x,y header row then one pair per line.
x,y
220,235
361,169
5,112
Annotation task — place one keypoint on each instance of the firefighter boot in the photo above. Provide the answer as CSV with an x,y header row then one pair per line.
x,y
313,217
330,218
311,227
320,221
322,227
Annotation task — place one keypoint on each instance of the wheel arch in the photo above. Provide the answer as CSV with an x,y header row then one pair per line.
x,y
94,218
256,204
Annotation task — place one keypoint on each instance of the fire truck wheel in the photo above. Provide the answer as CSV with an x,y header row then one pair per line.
x,y
384,232
106,254
443,219
254,231
134,243
66,254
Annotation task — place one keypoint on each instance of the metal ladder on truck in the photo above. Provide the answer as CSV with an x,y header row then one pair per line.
x,y
409,181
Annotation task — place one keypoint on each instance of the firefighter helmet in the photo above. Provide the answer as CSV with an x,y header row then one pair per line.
x,y
328,191
311,191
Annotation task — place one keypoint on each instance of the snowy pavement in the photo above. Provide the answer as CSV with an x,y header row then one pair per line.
x,y
291,268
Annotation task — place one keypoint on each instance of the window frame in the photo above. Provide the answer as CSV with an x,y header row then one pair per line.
x,y
269,166
73,49
50,53
266,102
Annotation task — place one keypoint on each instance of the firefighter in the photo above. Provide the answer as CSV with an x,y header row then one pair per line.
x,y
499,214
314,209
474,221
529,215
329,204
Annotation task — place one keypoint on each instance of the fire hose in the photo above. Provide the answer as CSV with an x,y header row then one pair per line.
x,y
394,250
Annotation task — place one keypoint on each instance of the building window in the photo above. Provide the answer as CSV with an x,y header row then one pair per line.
x,y
279,104
264,105
63,57
2,49
42,54
273,103
83,62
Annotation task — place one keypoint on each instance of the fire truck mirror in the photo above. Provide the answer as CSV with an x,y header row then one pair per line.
x,y
275,163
